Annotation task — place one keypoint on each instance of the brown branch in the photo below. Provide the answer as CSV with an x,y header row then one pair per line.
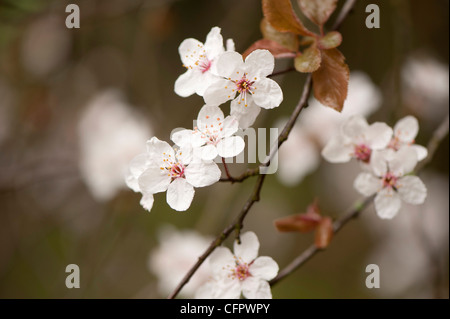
x,y
346,8
230,178
281,72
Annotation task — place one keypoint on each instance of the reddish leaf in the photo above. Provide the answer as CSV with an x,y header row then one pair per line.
x,y
281,16
331,40
301,223
275,48
318,11
324,233
286,39
309,61
331,80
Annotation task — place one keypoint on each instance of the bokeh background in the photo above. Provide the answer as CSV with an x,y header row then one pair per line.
x,y
77,104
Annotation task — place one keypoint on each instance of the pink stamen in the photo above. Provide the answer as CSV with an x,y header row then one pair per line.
x,y
389,180
363,152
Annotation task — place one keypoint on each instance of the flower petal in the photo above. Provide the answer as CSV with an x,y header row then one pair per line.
x,y
158,150
186,51
214,43
180,194
208,152
230,146
220,92
412,190
367,184
137,166
336,151
246,115
264,268
147,201
209,118
249,247
422,152
254,288
355,127
378,162
259,63
387,203
378,135
267,93
230,126
228,63
406,129
186,84
219,289
200,174
154,180
404,161
187,138
222,262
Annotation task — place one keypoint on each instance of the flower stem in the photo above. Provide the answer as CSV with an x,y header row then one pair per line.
x,y
230,178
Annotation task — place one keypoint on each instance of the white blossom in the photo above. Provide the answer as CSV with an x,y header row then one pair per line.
x,y
213,135
389,180
241,272
248,80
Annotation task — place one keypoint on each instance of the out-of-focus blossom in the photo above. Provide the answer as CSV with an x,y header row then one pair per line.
x,y
46,45
6,100
110,135
177,253
300,154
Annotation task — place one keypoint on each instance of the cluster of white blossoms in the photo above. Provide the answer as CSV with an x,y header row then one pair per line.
x,y
218,75
387,155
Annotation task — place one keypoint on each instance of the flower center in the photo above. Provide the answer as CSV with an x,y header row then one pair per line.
x,y
241,271
177,170
198,59
244,86
362,153
173,167
390,181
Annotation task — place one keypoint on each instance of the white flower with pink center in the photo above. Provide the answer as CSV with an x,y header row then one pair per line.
x,y
405,132
245,83
164,169
389,181
358,140
200,61
239,273
213,135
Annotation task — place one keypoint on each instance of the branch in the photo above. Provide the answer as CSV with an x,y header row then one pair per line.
x,y
439,134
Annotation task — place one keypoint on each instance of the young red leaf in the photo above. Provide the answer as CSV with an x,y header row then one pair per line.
x,y
309,61
318,11
324,233
277,50
331,40
281,16
331,80
286,39
300,223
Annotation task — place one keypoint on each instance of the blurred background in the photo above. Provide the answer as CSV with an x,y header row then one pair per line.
x,y
77,104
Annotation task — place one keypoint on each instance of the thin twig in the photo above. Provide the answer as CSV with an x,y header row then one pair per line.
x,y
281,72
346,8
230,178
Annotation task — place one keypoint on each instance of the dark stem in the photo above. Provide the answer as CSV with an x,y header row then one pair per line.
x,y
281,72
230,178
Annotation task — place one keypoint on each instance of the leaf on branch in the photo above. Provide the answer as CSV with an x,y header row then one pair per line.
x,y
317,11
299,223
309,61
324,233
277,50
281,16
331,80
286,39
331,40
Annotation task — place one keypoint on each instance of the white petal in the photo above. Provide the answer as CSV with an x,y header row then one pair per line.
x,y
132,182
154,180
219,289
204,80
230,126
421,151
387,203
404,161
254,288
202,174
138,164
158,150
228,63
186,84
378,135
230,146
412,190
259,63
186,51
219,92
378,162
222,262
230,45
209,118
264,268
214,43
187,138
206,291
180,194
246,115
367,184
406,129
267,93
249,247
336,151
208,152
147,201
355,127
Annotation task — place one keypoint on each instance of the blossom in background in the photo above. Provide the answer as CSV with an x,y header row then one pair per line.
x,y
248,80
177,252
213,135
405,131
175,171
200,60
357,139
110,133
389,181
241,272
